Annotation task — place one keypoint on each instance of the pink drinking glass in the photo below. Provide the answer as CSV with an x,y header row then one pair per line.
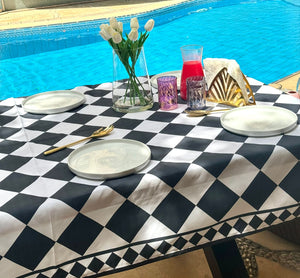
x,y
167,92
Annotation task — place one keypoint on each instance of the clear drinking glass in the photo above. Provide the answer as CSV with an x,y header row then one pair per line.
x,y
196,92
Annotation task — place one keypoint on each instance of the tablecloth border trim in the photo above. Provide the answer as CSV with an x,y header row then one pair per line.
x,y
297,211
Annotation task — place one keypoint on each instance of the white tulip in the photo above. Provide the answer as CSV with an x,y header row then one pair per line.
x,y
133,35
109,30
120,27
116,37
134,23
149,25
104,31
104,35
112,20
102,26
113,23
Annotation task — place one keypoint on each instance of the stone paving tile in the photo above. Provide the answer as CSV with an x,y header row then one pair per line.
x,y
78,12
287,83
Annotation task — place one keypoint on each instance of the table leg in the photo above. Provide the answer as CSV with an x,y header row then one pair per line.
x,y
225,261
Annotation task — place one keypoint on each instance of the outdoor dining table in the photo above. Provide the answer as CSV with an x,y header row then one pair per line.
x,y
203,185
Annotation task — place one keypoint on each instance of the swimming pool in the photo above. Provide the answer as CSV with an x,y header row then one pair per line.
x,y
260,35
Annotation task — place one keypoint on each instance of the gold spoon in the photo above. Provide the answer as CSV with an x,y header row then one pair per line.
x,y
98,133
198,113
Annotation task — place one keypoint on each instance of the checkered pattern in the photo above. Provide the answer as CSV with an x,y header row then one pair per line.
x,y
203,184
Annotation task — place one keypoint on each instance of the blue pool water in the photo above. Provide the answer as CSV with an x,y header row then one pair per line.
x,y
261,35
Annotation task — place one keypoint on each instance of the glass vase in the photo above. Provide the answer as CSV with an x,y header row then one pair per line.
x,y
131,85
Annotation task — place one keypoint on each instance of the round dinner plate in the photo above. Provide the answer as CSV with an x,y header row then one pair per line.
x,y
176,73
53,102
259,120
109,158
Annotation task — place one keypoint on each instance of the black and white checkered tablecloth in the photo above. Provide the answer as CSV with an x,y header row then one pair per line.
x,y
203,184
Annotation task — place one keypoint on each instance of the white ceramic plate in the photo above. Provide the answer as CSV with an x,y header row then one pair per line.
x,y
109,159
259,120
176,73
53,102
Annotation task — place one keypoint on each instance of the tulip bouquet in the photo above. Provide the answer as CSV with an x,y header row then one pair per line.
x,y
128,48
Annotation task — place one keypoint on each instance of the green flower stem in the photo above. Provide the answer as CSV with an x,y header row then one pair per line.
x,y
132,84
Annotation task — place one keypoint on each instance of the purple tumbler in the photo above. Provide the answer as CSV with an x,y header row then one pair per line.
x,y
167,92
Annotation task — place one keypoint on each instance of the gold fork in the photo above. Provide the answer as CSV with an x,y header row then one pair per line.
x,y
199,113
98,133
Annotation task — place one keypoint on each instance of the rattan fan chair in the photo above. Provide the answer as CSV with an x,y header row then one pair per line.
x,y
226,90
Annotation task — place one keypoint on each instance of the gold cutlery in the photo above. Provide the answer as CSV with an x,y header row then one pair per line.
x,y
199,113
98,133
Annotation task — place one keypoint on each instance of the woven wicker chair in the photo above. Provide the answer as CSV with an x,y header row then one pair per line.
x,y
288,258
